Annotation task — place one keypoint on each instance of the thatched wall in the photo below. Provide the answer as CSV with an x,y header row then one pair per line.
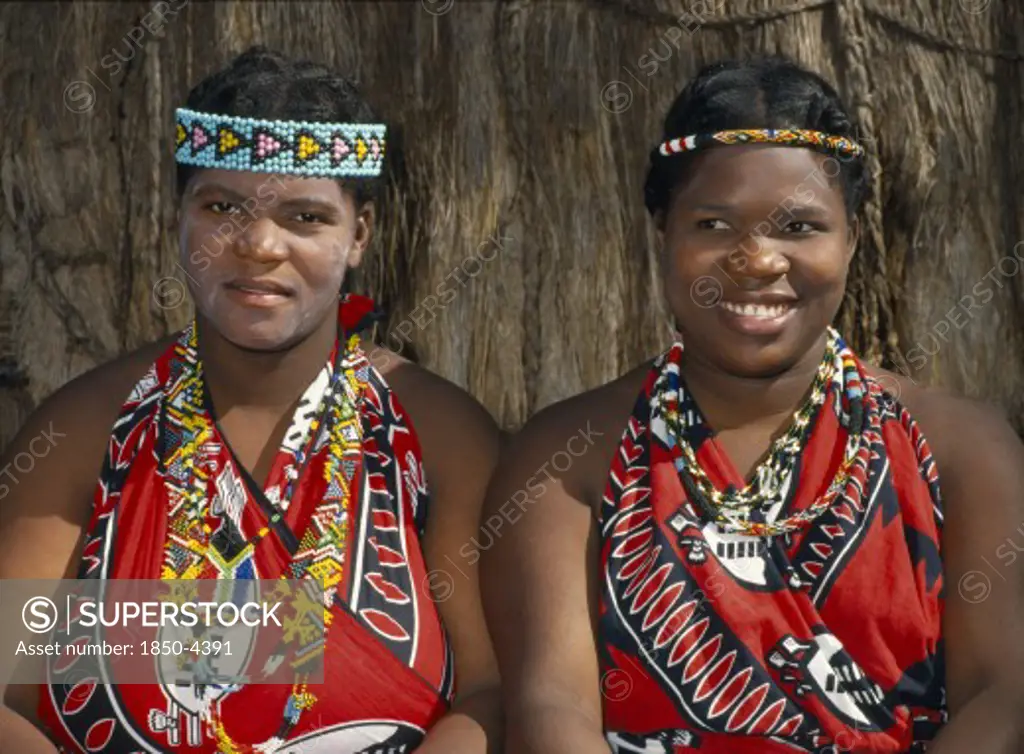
x,y
524,121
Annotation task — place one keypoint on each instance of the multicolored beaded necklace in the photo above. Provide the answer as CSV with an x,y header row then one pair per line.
x,y
336,424
735,510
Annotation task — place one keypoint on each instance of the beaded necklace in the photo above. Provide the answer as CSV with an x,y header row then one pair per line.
x,y
193,396
736,511
320,555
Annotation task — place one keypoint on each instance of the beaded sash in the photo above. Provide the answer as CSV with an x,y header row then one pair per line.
x,y
728,635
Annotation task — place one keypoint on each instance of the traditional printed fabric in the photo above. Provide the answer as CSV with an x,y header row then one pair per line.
x,y
706,646
388,668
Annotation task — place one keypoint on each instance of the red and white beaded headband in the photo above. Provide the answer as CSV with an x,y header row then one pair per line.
x,y
782,136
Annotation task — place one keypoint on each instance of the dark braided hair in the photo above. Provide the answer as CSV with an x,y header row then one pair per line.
x,y
261,83
762,92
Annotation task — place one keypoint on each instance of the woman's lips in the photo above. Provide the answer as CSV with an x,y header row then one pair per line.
x,y
257,293
756,319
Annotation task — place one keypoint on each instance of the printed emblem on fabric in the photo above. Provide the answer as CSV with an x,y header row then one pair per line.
x,y
713,678
822,667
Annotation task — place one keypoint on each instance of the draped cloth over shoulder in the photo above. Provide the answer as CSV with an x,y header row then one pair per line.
x,y
827,639
346,499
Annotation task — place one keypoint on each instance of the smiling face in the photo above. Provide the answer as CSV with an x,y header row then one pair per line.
x,y
265,255
757,245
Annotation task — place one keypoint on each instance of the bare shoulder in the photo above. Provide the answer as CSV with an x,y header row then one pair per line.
x,y
966,436
457,435
69,429
99,393
583,431
107,385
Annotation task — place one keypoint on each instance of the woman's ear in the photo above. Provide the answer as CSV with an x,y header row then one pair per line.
x,y
365,220
852,238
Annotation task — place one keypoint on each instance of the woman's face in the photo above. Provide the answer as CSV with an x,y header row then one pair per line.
x,y
266,255
757,249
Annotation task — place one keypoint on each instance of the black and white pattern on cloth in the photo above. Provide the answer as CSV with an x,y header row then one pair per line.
x,y
298,433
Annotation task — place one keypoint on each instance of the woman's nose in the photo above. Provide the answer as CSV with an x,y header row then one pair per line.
x,y
757,257
261,242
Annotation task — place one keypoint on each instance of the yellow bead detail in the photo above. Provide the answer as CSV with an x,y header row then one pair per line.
x,y
228,141
308,147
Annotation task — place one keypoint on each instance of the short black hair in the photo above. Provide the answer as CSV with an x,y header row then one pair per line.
x,y
261,83
760,92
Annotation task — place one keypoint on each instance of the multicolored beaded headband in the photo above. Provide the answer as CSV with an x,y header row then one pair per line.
x,y
785,137
228,142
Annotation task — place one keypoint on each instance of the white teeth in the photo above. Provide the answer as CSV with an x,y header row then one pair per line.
x,y
260,291
756,310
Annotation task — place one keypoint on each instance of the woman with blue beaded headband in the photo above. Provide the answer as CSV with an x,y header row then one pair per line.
x,y
262,443
772,546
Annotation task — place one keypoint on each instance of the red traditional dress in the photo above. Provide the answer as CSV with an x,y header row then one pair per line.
x,y
345,503
721,637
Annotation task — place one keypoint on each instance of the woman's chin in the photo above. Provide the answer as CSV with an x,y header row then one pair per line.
x,y
257,344
264,337
753,358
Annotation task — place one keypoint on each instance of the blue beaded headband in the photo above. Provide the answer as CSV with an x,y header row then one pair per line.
x,y
272,146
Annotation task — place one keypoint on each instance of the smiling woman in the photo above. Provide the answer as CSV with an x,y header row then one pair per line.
x,y
263,443
763,552
777,286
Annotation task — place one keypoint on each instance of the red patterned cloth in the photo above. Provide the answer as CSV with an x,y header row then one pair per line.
x,y
706,646
388,669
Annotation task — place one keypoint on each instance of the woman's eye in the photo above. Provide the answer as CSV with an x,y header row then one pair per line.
x,y
713,224
800,227
307,217
221,208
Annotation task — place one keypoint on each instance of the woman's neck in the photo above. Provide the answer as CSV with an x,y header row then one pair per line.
x,y
729,402
261,380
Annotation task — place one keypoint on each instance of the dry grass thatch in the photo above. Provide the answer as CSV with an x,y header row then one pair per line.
x,y
529,121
